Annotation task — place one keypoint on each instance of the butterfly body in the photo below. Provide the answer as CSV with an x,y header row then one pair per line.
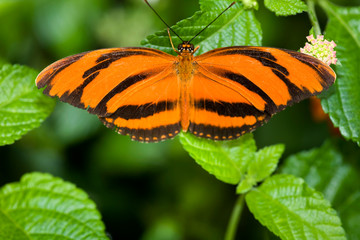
x,y
152,96
185,68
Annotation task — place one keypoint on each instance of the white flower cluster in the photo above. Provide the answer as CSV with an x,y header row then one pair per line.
x,y
321,49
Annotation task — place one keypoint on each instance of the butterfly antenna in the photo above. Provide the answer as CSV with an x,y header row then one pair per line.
x,y
172,45
162,20
212,21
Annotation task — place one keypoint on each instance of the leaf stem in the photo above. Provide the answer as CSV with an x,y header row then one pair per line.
x,y
313,18
235,218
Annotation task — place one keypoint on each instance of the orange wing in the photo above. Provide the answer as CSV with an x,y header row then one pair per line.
x,y
121,86
237,89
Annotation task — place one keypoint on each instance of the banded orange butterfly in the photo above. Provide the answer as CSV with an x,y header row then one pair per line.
x,y
151,95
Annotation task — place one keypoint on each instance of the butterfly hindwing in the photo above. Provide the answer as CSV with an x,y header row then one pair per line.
x,y
220,112
131,89
148,111
242,87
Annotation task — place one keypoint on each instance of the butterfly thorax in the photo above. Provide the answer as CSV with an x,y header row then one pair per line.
x,y
185,68
185,61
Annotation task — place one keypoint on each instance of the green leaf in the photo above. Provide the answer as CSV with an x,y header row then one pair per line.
x,y
325,170
263,165
245,185
292,210
248,4
236,26
343,101
41,206
265,162
227,160
22,106
286,7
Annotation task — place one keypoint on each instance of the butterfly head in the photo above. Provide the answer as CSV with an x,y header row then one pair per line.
x,y
186,47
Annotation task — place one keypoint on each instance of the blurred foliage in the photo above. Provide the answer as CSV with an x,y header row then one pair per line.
x,y
143,191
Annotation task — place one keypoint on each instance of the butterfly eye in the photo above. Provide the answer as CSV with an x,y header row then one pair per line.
x,y
191,48
180,47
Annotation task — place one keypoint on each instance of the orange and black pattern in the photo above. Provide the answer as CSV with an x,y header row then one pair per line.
x,y
152,96
252,84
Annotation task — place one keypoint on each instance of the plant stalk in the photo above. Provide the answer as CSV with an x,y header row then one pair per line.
x,y
235,218
313,18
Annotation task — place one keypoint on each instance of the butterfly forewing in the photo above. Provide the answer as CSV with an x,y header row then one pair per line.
x,y
134,90
236,89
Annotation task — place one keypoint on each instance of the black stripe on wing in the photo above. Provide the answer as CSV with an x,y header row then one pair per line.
x,y
268,60
323,71
74,98
229,109
270,106
224,133
106,59
103,61
129,112
56,68
146,135
296,93
101,108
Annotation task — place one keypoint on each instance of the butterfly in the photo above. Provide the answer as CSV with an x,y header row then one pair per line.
x,y
152,96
